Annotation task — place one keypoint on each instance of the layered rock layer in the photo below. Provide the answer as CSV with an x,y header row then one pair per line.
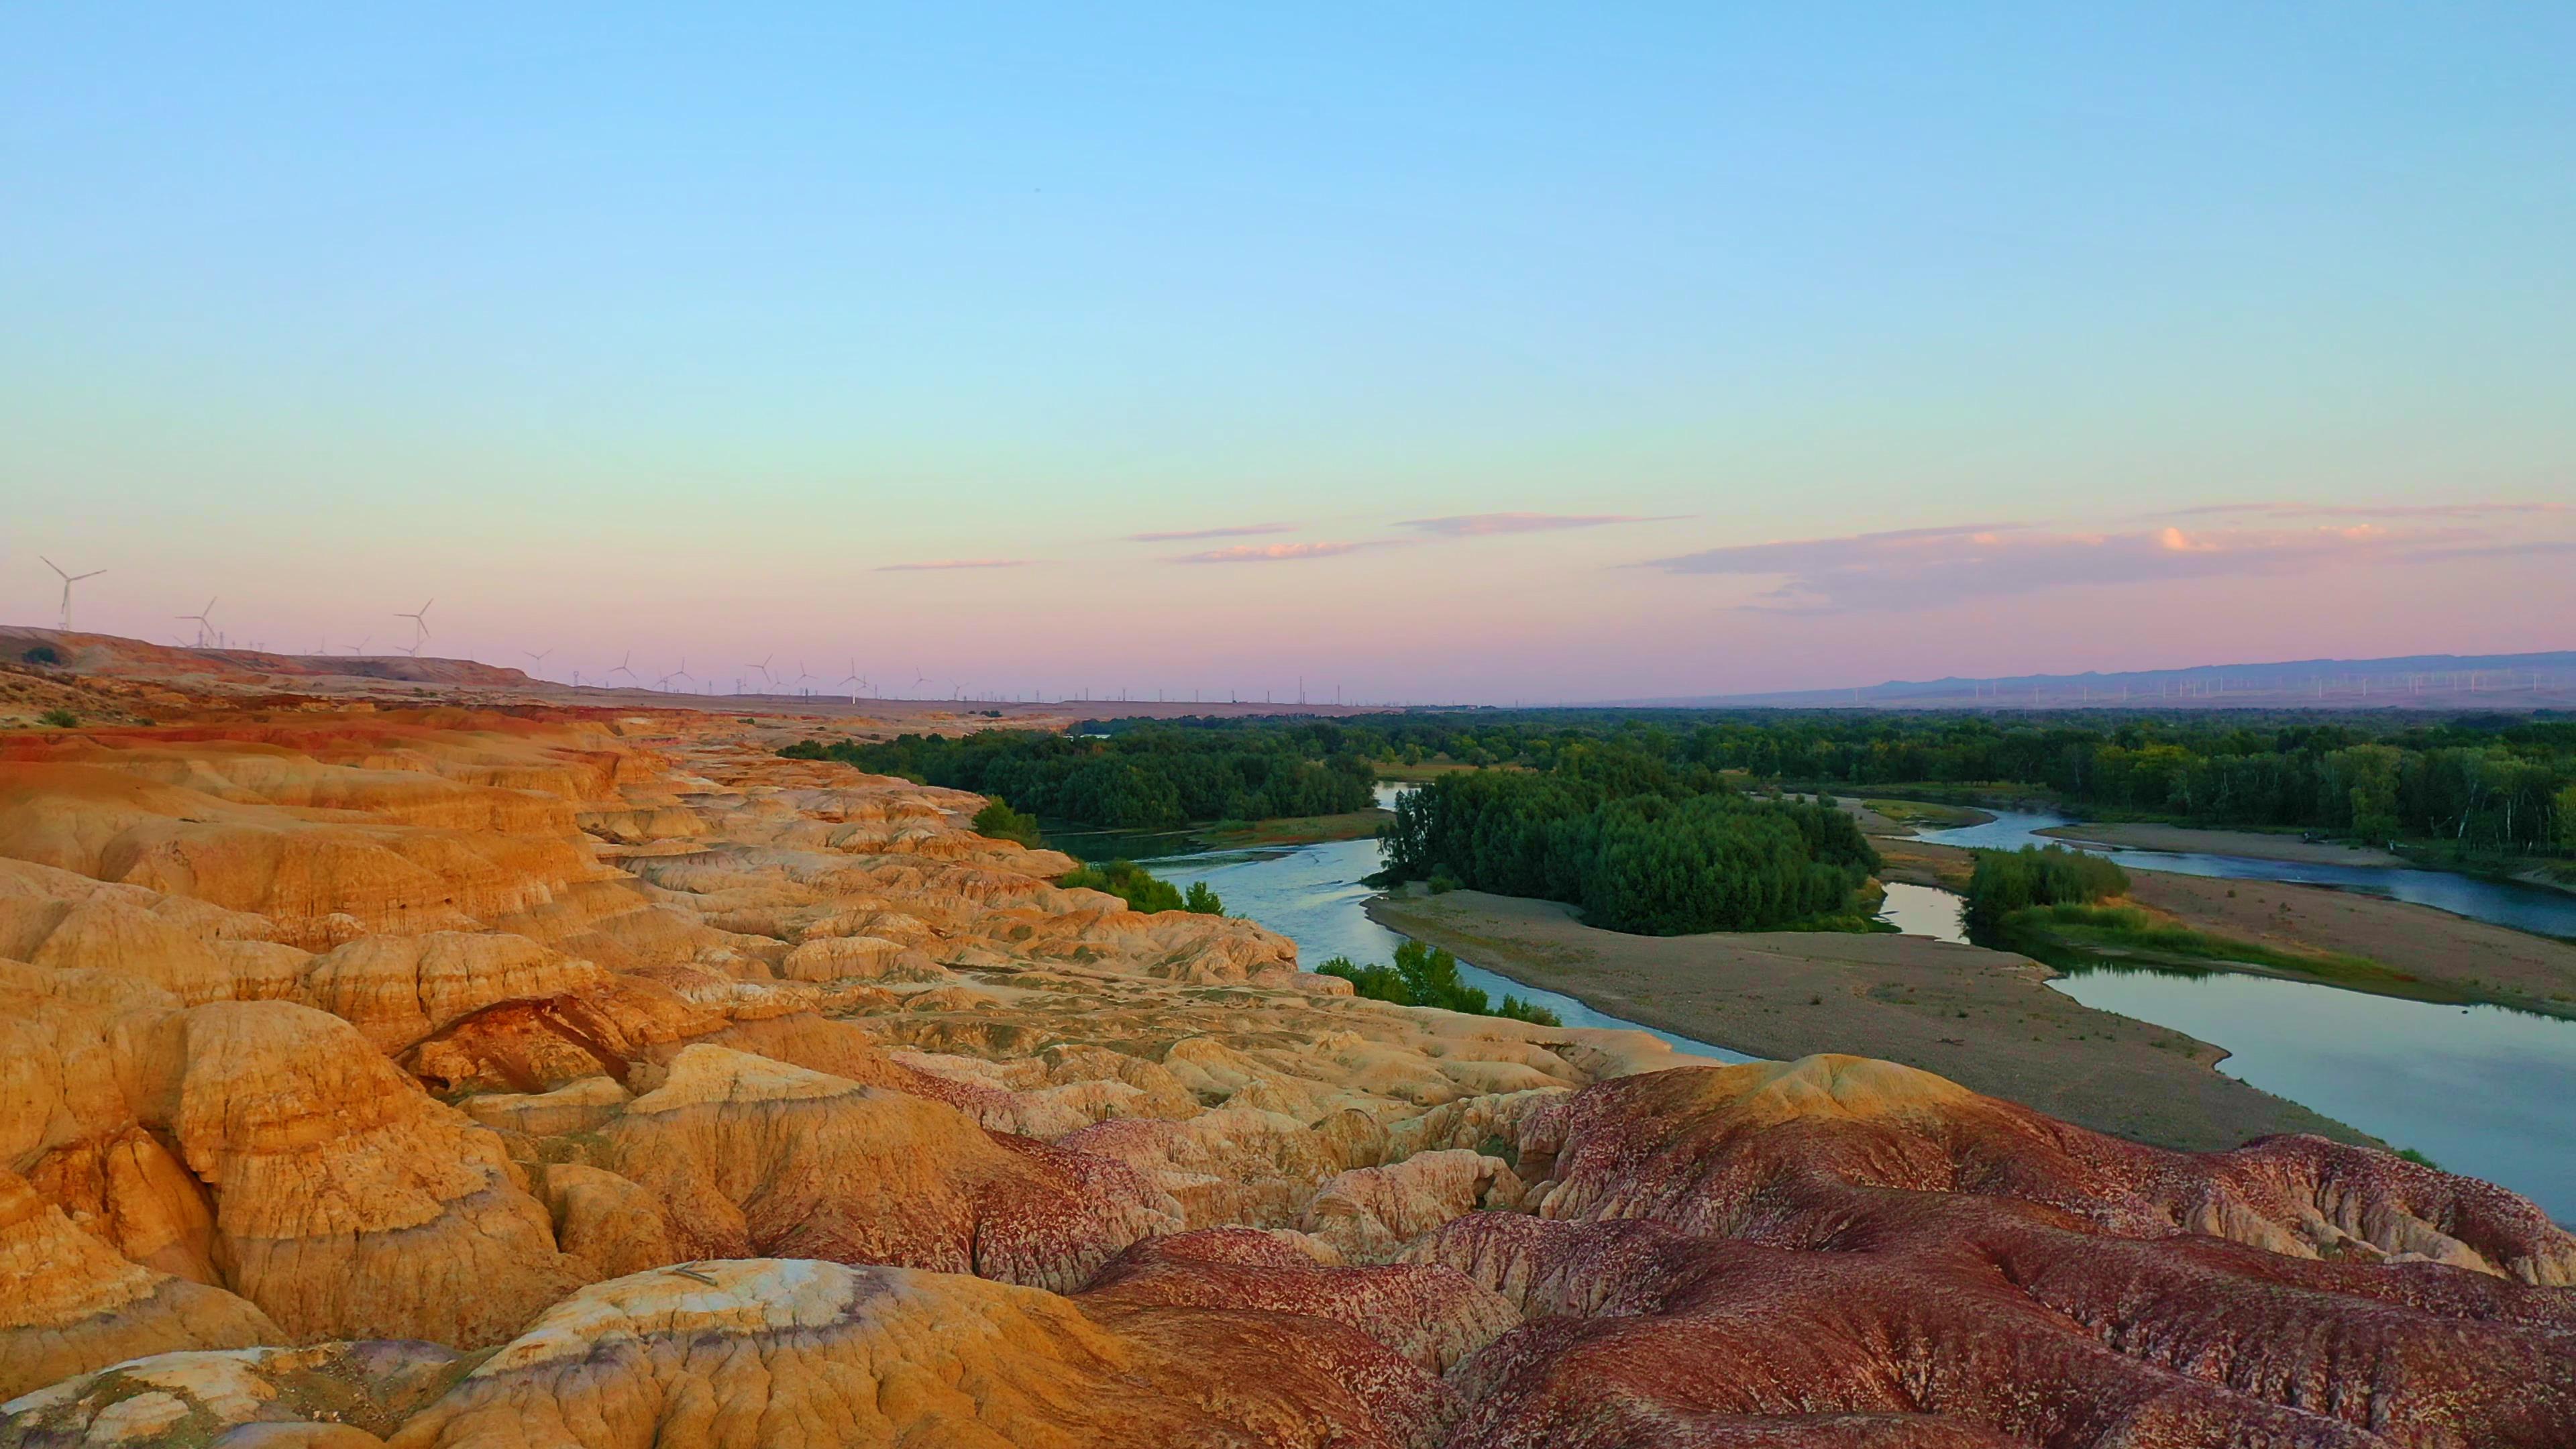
x,y
494,1080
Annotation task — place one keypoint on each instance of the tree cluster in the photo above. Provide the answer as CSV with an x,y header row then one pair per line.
x,y
1133,779
2488,783
2008,881
1639,846
1428,976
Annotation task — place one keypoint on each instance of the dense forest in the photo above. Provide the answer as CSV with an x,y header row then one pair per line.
x,y
1639,845
1134,779
2497,784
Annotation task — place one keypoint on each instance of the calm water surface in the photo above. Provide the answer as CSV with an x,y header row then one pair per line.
x,y
2484,1091
1312,895
2481,1090
2506,903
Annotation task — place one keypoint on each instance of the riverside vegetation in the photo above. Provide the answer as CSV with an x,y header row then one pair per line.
x,y
1428,976
1142,778
2069,909
1637,844
2493,791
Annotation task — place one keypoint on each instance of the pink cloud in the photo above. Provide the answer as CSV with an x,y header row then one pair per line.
x,y
1238,531
1478,525
955,563
1927,567
2393,510
1272,552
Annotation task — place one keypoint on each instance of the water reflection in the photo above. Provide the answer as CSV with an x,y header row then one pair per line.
x,y
2537,909
2480,1089
1312,895
1920,910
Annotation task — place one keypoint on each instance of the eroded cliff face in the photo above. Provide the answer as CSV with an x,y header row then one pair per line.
x,y
481,1080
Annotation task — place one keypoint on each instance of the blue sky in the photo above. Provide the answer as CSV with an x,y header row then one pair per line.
x,y
678,331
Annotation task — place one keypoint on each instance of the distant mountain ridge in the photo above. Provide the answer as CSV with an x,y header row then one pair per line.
x,y
2425,681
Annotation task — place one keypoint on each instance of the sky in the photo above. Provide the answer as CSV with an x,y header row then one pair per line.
x,y
1430,352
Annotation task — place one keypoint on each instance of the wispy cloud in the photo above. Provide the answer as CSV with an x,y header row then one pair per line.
x,y
1243,530
2374,510
1478,525
1273,552
954,563
1923,567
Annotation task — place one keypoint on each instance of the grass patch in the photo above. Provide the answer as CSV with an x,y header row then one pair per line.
x,y
2089,936
1924,812
1295,829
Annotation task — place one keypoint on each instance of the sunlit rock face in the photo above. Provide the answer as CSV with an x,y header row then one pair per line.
x,y
452,1079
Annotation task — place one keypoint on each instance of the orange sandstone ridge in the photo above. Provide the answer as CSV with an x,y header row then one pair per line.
x,y
541,1079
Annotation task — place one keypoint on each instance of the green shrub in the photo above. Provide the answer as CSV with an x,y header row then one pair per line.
x,y
45,654
61,719
1201,901
1428,976
1129,882
998,820
2006,881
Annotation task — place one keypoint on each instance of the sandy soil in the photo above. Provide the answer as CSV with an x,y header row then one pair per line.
x,y
2494,963
1985,1019
2253,844
2486,963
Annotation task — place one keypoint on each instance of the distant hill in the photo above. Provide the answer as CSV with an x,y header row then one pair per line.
x,y
2414,681
109,656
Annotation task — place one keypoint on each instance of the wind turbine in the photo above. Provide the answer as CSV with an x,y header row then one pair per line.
x,y
802,674
623,669
68,581
361,646
919,678
853,678
420,625
536,658
763,667
680,673
205,625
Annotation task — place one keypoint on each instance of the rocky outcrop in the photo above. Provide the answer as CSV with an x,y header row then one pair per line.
x,y
347,1203
765,1354
751,1157
69,1303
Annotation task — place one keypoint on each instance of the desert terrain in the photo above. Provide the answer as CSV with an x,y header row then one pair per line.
x,y
531,1075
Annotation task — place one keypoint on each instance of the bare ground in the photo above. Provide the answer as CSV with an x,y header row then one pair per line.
x,y
2480,962
2253,844
1984,1019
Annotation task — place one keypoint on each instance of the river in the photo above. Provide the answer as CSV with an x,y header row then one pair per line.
x,y
2482,1090
1312,895
2536,909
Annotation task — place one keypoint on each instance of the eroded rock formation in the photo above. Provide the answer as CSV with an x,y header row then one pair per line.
x,y
506,1080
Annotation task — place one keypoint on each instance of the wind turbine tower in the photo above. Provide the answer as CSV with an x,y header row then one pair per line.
x,y
853,678
205,623
68,581
420,626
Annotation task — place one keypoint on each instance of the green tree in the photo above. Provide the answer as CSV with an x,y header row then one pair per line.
x,y
998,820
1201,901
